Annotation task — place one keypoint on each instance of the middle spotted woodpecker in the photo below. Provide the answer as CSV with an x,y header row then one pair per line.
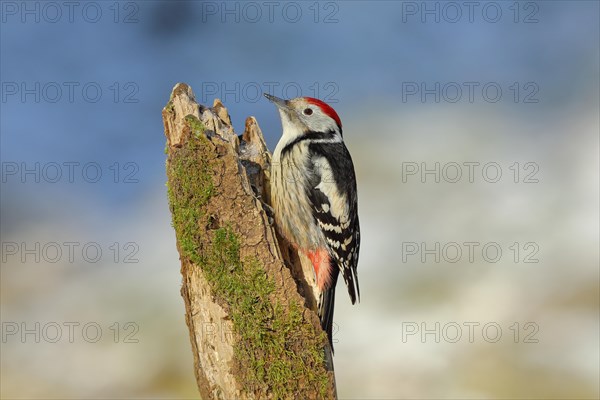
x,y
313,195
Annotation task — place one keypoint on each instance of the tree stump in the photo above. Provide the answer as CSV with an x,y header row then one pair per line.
x,y
249,310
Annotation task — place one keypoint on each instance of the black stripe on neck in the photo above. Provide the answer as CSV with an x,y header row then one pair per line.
x,y
308,136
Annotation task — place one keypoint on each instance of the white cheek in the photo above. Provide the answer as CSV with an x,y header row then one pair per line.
x,y
290,129
287,126
320,123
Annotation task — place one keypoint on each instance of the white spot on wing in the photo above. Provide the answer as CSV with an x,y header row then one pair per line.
x,y
337,200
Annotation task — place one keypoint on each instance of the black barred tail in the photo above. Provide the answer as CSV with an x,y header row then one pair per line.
x,y
325,306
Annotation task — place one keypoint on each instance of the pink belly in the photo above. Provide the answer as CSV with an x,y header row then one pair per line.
x,y
322,266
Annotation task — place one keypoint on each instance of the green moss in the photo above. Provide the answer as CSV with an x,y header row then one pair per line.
x,y
271,347
196,125
190,188
271,332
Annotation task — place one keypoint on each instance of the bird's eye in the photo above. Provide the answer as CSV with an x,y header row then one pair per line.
x,y
308,111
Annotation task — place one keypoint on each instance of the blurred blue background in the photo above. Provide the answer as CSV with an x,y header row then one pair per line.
x,y
83,86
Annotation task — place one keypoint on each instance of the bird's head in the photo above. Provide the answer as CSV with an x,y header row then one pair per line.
x,y
303,115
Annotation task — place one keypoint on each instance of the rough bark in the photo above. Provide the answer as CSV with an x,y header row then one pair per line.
x,y
250,313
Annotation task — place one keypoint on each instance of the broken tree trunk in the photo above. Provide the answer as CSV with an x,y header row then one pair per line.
x,y
249,311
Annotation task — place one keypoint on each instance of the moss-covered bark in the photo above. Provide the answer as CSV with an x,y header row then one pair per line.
x,y
233,272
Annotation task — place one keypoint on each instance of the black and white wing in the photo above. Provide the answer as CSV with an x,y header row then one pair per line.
x,y
333,196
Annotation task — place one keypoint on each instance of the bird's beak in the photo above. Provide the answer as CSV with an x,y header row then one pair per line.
x,y
280,103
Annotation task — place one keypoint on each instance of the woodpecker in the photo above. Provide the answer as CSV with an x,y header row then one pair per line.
x,y
314,198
